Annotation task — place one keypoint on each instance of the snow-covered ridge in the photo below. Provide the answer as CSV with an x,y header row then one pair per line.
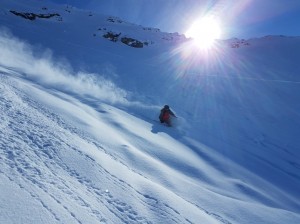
x,y
112,28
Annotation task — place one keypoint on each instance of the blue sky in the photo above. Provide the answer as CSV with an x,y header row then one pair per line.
x,y
239,18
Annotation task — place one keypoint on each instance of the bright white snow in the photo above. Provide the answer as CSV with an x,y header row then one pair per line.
x,y
80,141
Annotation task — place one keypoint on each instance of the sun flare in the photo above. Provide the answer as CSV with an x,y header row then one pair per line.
x,y
204,32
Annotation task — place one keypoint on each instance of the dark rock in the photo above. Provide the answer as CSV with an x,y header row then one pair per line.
x,y
132,42
112,36
114,20
33,16
239,43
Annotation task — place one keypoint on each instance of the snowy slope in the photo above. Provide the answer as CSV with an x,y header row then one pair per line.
x,y
56,173
80,141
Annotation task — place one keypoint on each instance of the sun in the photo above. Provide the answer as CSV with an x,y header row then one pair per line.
x,y
204,32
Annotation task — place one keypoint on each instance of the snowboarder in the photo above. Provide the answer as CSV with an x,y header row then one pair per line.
x,y
165,115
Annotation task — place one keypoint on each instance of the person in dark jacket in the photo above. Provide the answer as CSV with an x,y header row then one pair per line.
x,y
165,115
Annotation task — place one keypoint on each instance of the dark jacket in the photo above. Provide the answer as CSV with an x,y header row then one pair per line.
x,y
165,114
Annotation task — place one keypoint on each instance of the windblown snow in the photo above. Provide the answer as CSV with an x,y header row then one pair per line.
x,y
80,140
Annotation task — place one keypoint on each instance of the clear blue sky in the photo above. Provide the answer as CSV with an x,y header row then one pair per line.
x,y
240,18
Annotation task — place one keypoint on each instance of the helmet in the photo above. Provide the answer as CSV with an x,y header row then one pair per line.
x,y
166,107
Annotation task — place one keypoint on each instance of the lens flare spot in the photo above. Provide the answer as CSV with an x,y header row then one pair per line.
x,y
204,32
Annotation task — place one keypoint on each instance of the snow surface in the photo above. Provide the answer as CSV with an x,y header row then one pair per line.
x,y
80,138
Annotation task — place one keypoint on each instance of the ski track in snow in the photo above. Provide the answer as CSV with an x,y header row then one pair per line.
x,y
35,151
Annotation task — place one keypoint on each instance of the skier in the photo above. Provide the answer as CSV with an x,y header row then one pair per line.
x,y
165,115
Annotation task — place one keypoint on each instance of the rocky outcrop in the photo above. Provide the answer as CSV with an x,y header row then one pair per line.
x,y
33,16
239,43
132,42
151,29
114,20
112,36
115,37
